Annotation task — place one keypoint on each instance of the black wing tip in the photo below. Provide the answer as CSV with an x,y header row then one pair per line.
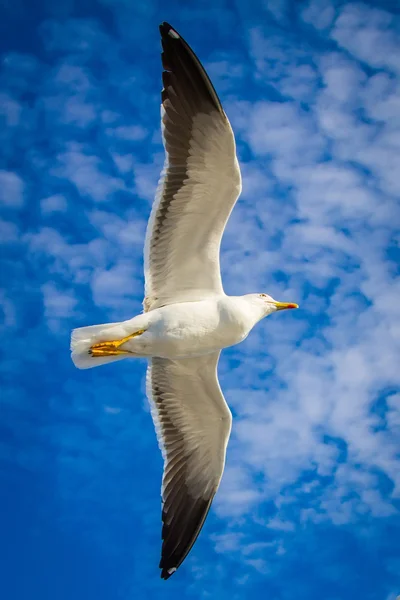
x,y
171,561
167,573
166,30
173,45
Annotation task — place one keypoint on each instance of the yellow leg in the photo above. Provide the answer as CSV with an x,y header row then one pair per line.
x,y
112,348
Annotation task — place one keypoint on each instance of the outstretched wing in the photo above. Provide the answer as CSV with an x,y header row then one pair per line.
x,y
199,187
193,423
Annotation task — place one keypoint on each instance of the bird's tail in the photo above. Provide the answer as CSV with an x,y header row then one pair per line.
x,y
83,338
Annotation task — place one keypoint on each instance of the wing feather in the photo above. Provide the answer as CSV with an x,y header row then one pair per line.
x,y
193,424
199,186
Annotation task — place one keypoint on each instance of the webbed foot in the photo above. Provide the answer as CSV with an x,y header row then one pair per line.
x,y
112,348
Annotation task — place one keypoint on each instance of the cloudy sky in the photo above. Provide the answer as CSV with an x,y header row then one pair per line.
x,y
309,504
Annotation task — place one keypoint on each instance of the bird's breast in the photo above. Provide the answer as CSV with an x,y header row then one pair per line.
x,y
193,329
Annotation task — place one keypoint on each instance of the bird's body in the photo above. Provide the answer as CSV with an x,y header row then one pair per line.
x,y
188,319
183,330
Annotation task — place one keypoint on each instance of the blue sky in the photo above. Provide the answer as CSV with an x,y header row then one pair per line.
x,y
309,504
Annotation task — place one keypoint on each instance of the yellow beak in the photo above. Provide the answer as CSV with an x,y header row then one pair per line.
x,y
283,305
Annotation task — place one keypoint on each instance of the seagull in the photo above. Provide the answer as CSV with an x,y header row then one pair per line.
x,y
187,318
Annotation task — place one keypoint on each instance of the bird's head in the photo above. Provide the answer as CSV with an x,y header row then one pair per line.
x,y
268,305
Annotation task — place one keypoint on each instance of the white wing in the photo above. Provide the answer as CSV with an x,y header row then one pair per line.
x,y
199,187
193,423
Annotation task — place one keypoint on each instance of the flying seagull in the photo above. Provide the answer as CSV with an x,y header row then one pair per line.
x,y
187,318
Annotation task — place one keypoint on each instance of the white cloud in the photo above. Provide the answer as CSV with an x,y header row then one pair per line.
x,y
9,232
279,129
126,233
10,109
282,64
278,8
318,13
374,145
227,542
225,75
8,312
59,305
72,78
115,287
237,493
86,173
75,263
124,162
368,34
11,189
53,204
66,98
146,177
130,133
342,78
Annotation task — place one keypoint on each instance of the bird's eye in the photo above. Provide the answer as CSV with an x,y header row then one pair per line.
x,y
263,295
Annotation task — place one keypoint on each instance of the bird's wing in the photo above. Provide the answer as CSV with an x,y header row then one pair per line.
x,y
193,423
199,185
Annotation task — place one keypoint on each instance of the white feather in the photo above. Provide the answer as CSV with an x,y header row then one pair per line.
x,y
185,265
